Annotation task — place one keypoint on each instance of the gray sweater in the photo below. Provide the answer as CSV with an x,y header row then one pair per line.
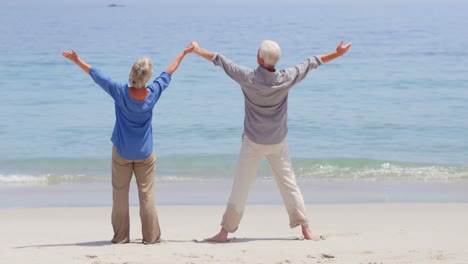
x,y
266,96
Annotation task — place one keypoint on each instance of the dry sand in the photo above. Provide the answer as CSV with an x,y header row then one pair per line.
x,y
354,233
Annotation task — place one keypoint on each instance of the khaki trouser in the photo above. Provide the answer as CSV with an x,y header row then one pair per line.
x,y
122,171
280,163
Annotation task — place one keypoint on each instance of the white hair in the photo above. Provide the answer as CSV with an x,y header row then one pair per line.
x,y
140,73
270,52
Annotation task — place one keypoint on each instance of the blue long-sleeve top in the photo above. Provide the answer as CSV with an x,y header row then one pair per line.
x,y
133,132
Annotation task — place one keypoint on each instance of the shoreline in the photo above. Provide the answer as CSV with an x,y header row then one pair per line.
x,y
263,192
354,233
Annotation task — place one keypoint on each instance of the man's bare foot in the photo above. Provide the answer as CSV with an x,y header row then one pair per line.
x,y
220,237
307,234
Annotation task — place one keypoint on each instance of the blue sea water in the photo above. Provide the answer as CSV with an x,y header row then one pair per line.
x,y
393,110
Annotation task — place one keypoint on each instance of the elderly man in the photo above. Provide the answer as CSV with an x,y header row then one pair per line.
x,y
265,127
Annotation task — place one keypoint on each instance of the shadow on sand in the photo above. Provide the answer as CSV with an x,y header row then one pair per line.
x,y
108,243
250,239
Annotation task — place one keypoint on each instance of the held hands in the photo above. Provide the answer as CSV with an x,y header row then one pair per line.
x,y
195,45
188,49
341,50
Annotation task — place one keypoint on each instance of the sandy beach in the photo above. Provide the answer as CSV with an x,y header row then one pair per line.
x,y
352,233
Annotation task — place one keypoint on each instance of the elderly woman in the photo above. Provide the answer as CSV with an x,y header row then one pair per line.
x,y
132,140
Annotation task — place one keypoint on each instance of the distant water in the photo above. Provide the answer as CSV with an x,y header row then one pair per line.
x,y
395,109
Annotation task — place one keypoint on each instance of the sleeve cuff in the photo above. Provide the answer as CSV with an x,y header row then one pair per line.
x,y
168,74
92,70
319,60
215,55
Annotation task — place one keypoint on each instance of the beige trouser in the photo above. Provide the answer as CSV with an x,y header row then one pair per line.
x,y
280,163
122,171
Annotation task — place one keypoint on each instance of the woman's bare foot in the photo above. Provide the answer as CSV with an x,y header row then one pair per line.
x,y
220,237
307,234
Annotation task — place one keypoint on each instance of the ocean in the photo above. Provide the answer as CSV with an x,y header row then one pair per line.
x,y
387,122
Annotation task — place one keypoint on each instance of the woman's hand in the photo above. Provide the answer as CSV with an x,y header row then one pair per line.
x,y
175,63
73,56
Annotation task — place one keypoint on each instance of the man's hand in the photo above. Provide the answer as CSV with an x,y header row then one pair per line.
x,y
202,52
341,50
196,46
73,56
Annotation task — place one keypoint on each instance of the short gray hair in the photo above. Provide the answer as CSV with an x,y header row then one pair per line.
x,y
140,73
270,52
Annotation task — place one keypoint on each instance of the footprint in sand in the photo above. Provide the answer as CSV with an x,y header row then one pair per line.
x,y
323,256
186,256
439,257
327,256
94,258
